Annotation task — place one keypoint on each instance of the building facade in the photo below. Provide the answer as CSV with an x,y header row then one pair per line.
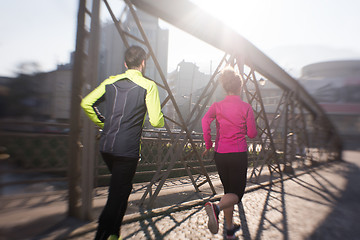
x,y
335,86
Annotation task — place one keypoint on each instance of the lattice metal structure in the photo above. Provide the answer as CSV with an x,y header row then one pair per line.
x,y
297,133
82,133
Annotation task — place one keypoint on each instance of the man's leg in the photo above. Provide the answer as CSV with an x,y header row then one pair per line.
x,y
123,171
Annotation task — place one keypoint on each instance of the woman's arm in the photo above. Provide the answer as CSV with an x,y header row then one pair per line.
x,y
206,122
251,124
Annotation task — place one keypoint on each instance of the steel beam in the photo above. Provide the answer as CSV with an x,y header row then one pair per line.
x,y
74,203
82,132
193,20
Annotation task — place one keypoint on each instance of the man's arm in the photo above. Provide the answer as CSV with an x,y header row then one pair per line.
x,y
88,102
153,106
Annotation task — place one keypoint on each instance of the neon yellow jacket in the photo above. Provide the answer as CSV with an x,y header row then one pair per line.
x,y
128,97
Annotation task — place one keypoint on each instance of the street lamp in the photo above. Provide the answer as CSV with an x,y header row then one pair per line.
x,y
262,81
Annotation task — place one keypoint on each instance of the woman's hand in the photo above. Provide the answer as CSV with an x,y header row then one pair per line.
x,y
205,152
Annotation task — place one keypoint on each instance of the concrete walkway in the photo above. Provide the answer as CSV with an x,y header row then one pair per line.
x,y
323,203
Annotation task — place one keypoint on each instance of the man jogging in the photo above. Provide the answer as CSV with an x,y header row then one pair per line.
x,y
127,98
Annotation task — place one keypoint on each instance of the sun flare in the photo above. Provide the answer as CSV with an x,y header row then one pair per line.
x,y
250,18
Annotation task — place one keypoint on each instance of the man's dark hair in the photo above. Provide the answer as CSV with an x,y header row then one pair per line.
x,y
134,56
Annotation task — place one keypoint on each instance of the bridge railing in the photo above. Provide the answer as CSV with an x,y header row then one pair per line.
x,y
36,157
39,155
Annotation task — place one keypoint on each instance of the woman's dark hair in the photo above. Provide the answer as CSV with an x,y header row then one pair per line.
x,y
134,56
230,80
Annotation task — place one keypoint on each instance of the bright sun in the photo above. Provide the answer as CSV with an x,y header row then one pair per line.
x,y
250,18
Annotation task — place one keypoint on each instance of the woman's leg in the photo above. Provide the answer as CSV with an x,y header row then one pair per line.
x,y
232,169
227,203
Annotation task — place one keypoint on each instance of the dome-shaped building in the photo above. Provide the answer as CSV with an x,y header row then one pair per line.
x,y
336,87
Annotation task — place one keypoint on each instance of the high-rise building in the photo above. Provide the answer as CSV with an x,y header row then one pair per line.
x,y
186,83
112,47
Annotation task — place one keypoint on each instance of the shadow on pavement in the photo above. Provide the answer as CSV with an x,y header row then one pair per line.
x,y
343,222
340,223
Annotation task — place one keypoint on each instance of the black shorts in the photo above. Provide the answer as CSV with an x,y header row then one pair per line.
x,y
232,169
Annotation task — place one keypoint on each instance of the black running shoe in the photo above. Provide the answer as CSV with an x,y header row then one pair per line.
x,y
213,214
230,234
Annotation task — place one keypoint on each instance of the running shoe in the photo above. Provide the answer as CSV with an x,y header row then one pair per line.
x,y
213,214
230,234
114,237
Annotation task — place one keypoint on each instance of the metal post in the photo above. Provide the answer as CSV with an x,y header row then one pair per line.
x,y
75,145
89,134
288,135
81,164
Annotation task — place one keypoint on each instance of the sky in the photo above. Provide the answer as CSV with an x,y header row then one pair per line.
x,y
292,33
40,31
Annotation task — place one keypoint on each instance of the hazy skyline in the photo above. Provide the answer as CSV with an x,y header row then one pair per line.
x,y
292,33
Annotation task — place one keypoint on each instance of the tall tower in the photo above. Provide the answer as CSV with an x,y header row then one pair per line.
x,y
112,48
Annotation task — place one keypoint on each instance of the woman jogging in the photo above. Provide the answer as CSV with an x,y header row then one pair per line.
x,y
234,120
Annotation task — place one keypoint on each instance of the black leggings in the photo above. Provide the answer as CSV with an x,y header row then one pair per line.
x,y
232,169
122,173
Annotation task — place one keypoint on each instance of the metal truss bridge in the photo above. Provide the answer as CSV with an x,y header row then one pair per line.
x,y
296,133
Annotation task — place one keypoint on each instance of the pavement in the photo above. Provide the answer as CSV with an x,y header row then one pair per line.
x,y
318,203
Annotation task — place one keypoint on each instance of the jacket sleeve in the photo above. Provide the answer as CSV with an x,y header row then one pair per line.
x,y
153,106
88,102
251,124
206,122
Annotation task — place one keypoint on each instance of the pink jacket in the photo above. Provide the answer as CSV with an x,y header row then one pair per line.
x,y
234,120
